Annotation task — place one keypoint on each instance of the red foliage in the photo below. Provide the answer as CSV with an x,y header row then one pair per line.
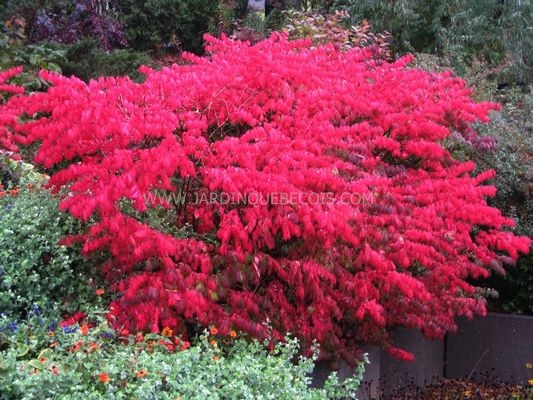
x,y
277,119
73,319
8,117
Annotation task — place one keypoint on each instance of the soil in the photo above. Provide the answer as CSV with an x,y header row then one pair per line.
x,y
453,389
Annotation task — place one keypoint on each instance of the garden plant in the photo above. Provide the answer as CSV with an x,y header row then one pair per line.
x,y
192,230
299,185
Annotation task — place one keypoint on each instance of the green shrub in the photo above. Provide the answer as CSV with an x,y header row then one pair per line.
x,y
155,24
86,61
411,22
493,30
322,29
14,52
34,269
70,363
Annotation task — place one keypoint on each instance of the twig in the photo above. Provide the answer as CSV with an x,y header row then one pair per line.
x,y
475,366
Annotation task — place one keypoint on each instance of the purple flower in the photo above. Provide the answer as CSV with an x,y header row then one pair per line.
x,y
70,329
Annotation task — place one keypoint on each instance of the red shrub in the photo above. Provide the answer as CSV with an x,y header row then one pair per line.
x,y
8,117
274,121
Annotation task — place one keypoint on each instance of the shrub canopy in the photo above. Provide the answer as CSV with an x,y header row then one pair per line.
x,y
276,188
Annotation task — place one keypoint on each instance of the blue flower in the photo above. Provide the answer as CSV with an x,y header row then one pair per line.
x,y
13,327
106,335
70,329
37,312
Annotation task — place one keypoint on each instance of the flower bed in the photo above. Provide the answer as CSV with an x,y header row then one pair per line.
x,y
87,359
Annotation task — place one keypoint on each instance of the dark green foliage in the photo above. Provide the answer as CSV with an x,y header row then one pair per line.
x,y
493,30
411,22
86,61
14,52
515,290
168,24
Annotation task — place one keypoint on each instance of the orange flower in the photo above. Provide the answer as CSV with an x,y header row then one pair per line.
x,y
93,346
232,334
185,345
51,333
100,292
103,377
84,329
43,360
213,342
14,192
53,344
54,370
141,374
77,346
213,330
215,358
167,332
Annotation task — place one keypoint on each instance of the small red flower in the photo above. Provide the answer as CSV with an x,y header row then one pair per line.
x,y
103,377
76,346
73,319
170,347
